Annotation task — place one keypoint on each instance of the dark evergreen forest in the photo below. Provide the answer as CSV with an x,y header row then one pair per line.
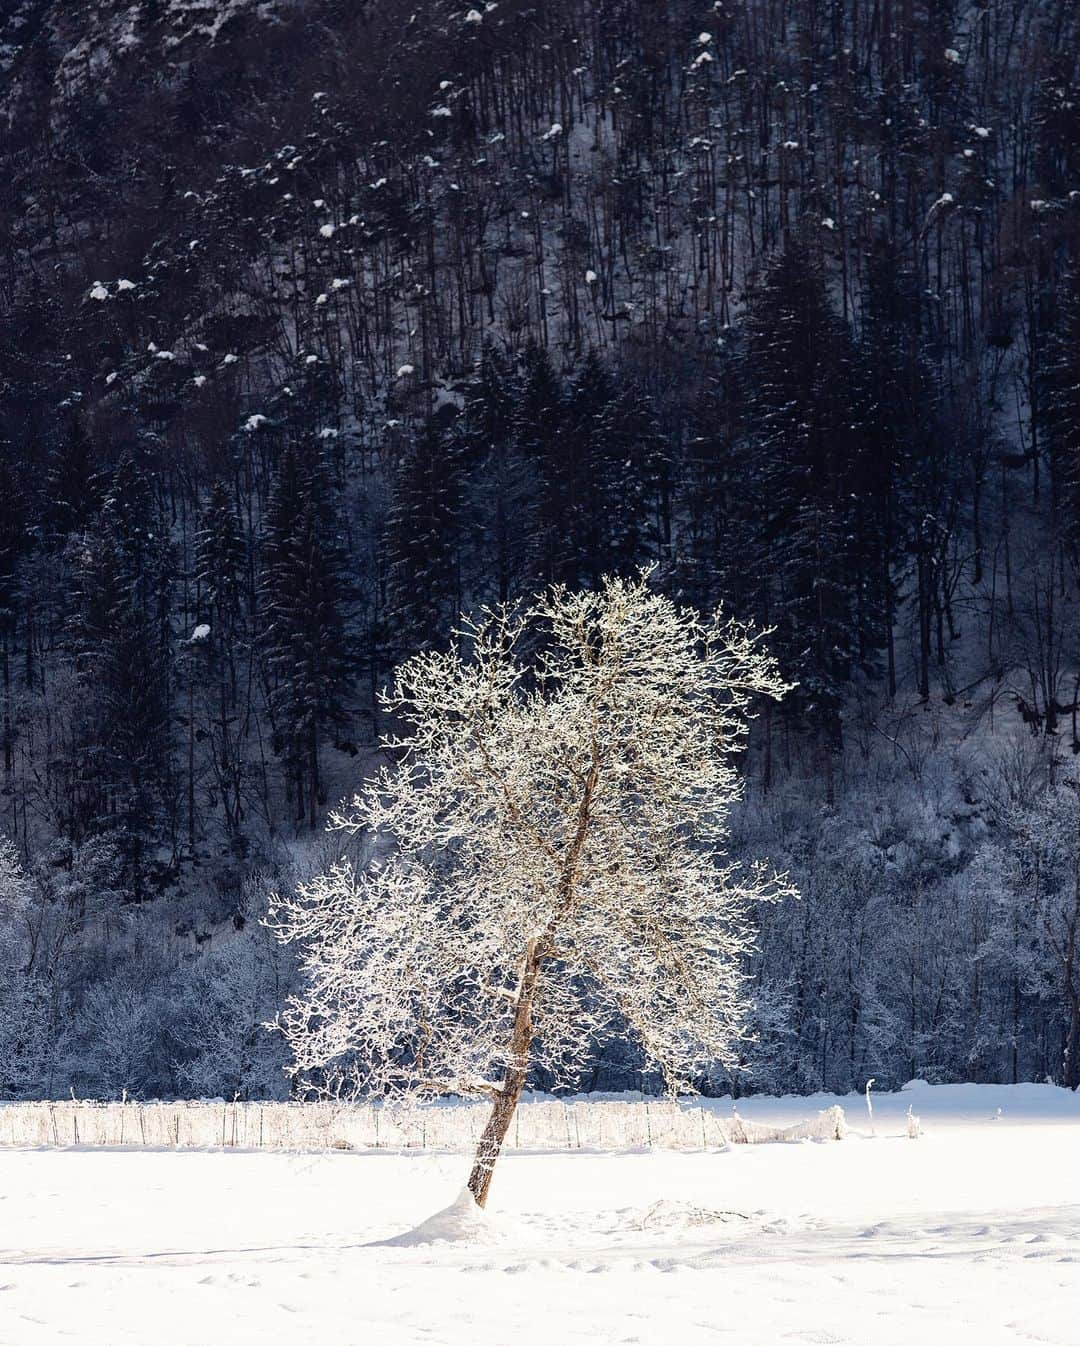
x,y
323,321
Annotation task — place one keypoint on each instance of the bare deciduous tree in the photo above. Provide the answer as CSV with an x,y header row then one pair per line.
x,y
557,823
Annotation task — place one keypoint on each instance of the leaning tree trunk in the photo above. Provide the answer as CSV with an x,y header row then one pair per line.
x,y
506,1100
517,1067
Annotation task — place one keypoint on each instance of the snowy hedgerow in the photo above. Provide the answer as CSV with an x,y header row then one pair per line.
x,y
548,859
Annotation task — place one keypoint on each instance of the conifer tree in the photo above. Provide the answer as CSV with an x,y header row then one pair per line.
x,y
121,633
14,539
503,482
618,459
894,484
591,482
303,624
714,542
221,561
638,468
424,538
488,412
800,448
541,432
73,482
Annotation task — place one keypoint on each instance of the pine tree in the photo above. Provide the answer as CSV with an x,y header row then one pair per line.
x,y
121,637
503,482
1056,121
894,482
618,463
73,483
542,434
638,468
714,544
588,480
488,412
220,560
221,564
424,539
303,623
14,544
800,448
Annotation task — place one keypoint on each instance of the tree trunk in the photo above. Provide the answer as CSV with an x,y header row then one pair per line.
x,y
1072,1046
924,629
506,1100
517,1066
313,773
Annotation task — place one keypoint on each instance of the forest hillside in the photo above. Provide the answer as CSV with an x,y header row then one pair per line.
x,y
322,322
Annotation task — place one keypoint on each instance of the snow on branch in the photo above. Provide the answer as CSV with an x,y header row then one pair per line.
x,y
548,856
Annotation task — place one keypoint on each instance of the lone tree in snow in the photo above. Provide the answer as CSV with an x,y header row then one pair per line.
x,y
548,861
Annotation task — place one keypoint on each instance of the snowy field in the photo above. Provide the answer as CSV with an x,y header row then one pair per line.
x,y
970,1234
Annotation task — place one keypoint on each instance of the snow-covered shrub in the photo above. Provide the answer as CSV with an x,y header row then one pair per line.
x,y
218,1022
24,1006
117,1044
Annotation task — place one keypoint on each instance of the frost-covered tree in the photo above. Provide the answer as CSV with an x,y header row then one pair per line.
x,y
1046,891
117,1041
548,860
23,1011
224,1049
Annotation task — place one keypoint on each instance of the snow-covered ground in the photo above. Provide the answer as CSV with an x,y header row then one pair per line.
x,y
970,1234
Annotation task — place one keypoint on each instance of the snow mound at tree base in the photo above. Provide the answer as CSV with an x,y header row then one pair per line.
x,y
461,1222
